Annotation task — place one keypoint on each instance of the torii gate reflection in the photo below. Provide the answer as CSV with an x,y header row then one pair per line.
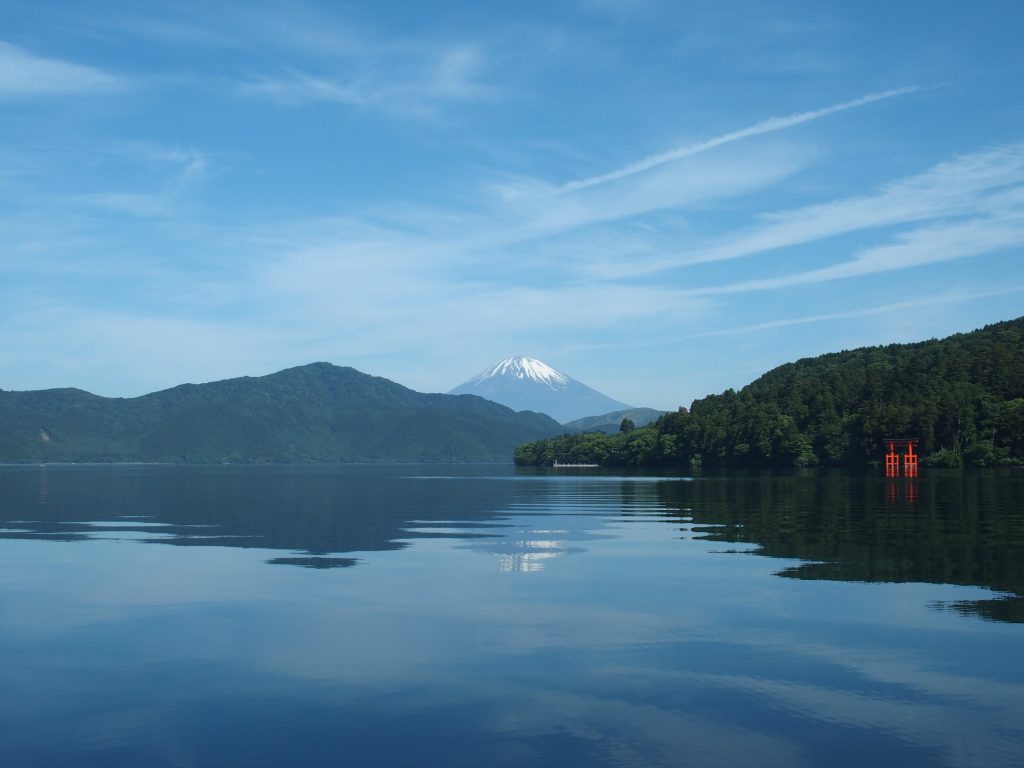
x,y
901,455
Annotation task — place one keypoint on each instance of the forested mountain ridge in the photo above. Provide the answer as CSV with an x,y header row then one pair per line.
x,y
610,422
312,413
962,396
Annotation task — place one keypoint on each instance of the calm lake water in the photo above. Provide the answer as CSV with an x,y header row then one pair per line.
x,y
476,616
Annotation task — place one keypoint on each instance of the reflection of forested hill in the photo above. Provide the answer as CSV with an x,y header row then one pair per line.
x,y
944,527
313,511
962,396
315,516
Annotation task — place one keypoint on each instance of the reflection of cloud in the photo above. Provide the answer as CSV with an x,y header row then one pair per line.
x,y
639,733
528,555
938,723
971,719
525,562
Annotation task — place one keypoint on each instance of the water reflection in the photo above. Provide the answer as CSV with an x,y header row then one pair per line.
x,y
315,562
900,488
941,527
944,527
504,619
528,555
314,512
529,543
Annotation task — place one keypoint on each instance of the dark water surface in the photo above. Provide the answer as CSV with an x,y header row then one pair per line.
x,y
473,616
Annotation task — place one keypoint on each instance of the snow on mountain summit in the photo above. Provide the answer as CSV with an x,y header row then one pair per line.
x,y
526,368
528,384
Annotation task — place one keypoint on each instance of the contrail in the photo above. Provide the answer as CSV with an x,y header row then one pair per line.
x,y
930,301
765,126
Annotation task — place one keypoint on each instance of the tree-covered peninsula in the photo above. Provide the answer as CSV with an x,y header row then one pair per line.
x,y
962,396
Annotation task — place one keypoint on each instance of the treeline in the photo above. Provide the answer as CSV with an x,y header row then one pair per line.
x,y
962,396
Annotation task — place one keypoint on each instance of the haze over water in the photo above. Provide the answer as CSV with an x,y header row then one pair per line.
x,y
425,615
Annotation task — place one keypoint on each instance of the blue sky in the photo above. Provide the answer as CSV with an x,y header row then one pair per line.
x,y
662,200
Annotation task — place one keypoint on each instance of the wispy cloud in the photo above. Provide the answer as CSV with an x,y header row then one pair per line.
x,y
958,187
955,297
486,263
407,83
182,170
94,335
770,125
926,245
987,184
175,32
24,74
699,182
137,204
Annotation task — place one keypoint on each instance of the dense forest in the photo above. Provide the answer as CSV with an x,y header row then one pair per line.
x,y
962,397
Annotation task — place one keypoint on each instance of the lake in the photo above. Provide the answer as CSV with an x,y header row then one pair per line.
x,y
471,616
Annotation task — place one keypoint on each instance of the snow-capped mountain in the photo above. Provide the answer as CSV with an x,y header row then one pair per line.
x,y
527,384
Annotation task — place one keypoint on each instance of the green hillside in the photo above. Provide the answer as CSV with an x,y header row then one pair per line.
x,y
313,413
962,396
610,422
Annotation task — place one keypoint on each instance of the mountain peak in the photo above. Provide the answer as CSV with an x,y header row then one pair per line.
x,y
528,384
526,368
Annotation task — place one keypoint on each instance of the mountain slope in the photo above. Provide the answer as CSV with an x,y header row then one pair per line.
x,y
525,383
313,413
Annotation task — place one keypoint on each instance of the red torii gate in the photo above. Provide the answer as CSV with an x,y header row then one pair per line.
x,y
892,458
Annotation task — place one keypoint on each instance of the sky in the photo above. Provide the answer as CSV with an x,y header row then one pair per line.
x,y
661,199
